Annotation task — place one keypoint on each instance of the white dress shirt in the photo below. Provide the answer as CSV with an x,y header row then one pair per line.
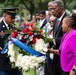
x,y
6,24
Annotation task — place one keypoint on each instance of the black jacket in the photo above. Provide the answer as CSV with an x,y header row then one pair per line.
x,y
58,31
4,60
44,23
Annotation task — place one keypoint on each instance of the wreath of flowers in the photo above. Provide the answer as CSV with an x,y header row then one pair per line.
x,y
31,35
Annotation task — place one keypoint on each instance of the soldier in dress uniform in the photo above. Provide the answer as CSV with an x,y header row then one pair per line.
x,y
6,24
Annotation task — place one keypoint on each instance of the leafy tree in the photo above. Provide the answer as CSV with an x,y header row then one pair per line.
x,y
33,5
69,4
30,5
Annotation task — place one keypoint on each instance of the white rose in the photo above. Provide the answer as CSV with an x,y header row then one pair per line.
x,y
45,49
12,59
40,59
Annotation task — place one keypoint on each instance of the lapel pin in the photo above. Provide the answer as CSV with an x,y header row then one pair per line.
x,y
3,26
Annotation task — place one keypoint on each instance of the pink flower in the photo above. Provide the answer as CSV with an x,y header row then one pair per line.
x,y
23,25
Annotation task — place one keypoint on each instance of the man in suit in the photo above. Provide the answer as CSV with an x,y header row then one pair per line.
x,y
43,20
6,24
57,9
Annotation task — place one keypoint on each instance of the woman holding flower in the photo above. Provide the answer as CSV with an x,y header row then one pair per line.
x,y
67,49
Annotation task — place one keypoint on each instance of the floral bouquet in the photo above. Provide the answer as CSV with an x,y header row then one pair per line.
x,y
27,46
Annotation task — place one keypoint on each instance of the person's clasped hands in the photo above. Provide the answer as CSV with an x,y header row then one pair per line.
x,y
54,51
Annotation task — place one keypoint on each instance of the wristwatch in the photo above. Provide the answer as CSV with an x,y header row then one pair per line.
x,y
74,70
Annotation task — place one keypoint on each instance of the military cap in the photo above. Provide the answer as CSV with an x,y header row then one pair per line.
x,y
10,11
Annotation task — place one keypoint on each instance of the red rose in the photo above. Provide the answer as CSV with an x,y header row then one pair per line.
x,y
14,34
38,36
23,30
30,33
23,39
40,31
30,23
33,27
27,30
34,40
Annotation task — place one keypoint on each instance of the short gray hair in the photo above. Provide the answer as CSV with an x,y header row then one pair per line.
x,y
59,3
49,3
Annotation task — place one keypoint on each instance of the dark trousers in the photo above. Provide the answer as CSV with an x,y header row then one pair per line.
x,y
15,72
12,72
47,67
4,73
56,68
65,73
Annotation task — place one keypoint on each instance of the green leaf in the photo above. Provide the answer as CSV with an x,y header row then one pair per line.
x,y
8,31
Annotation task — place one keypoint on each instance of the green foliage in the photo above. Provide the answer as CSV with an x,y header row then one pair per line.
x,y
33,5
30,5
70,4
